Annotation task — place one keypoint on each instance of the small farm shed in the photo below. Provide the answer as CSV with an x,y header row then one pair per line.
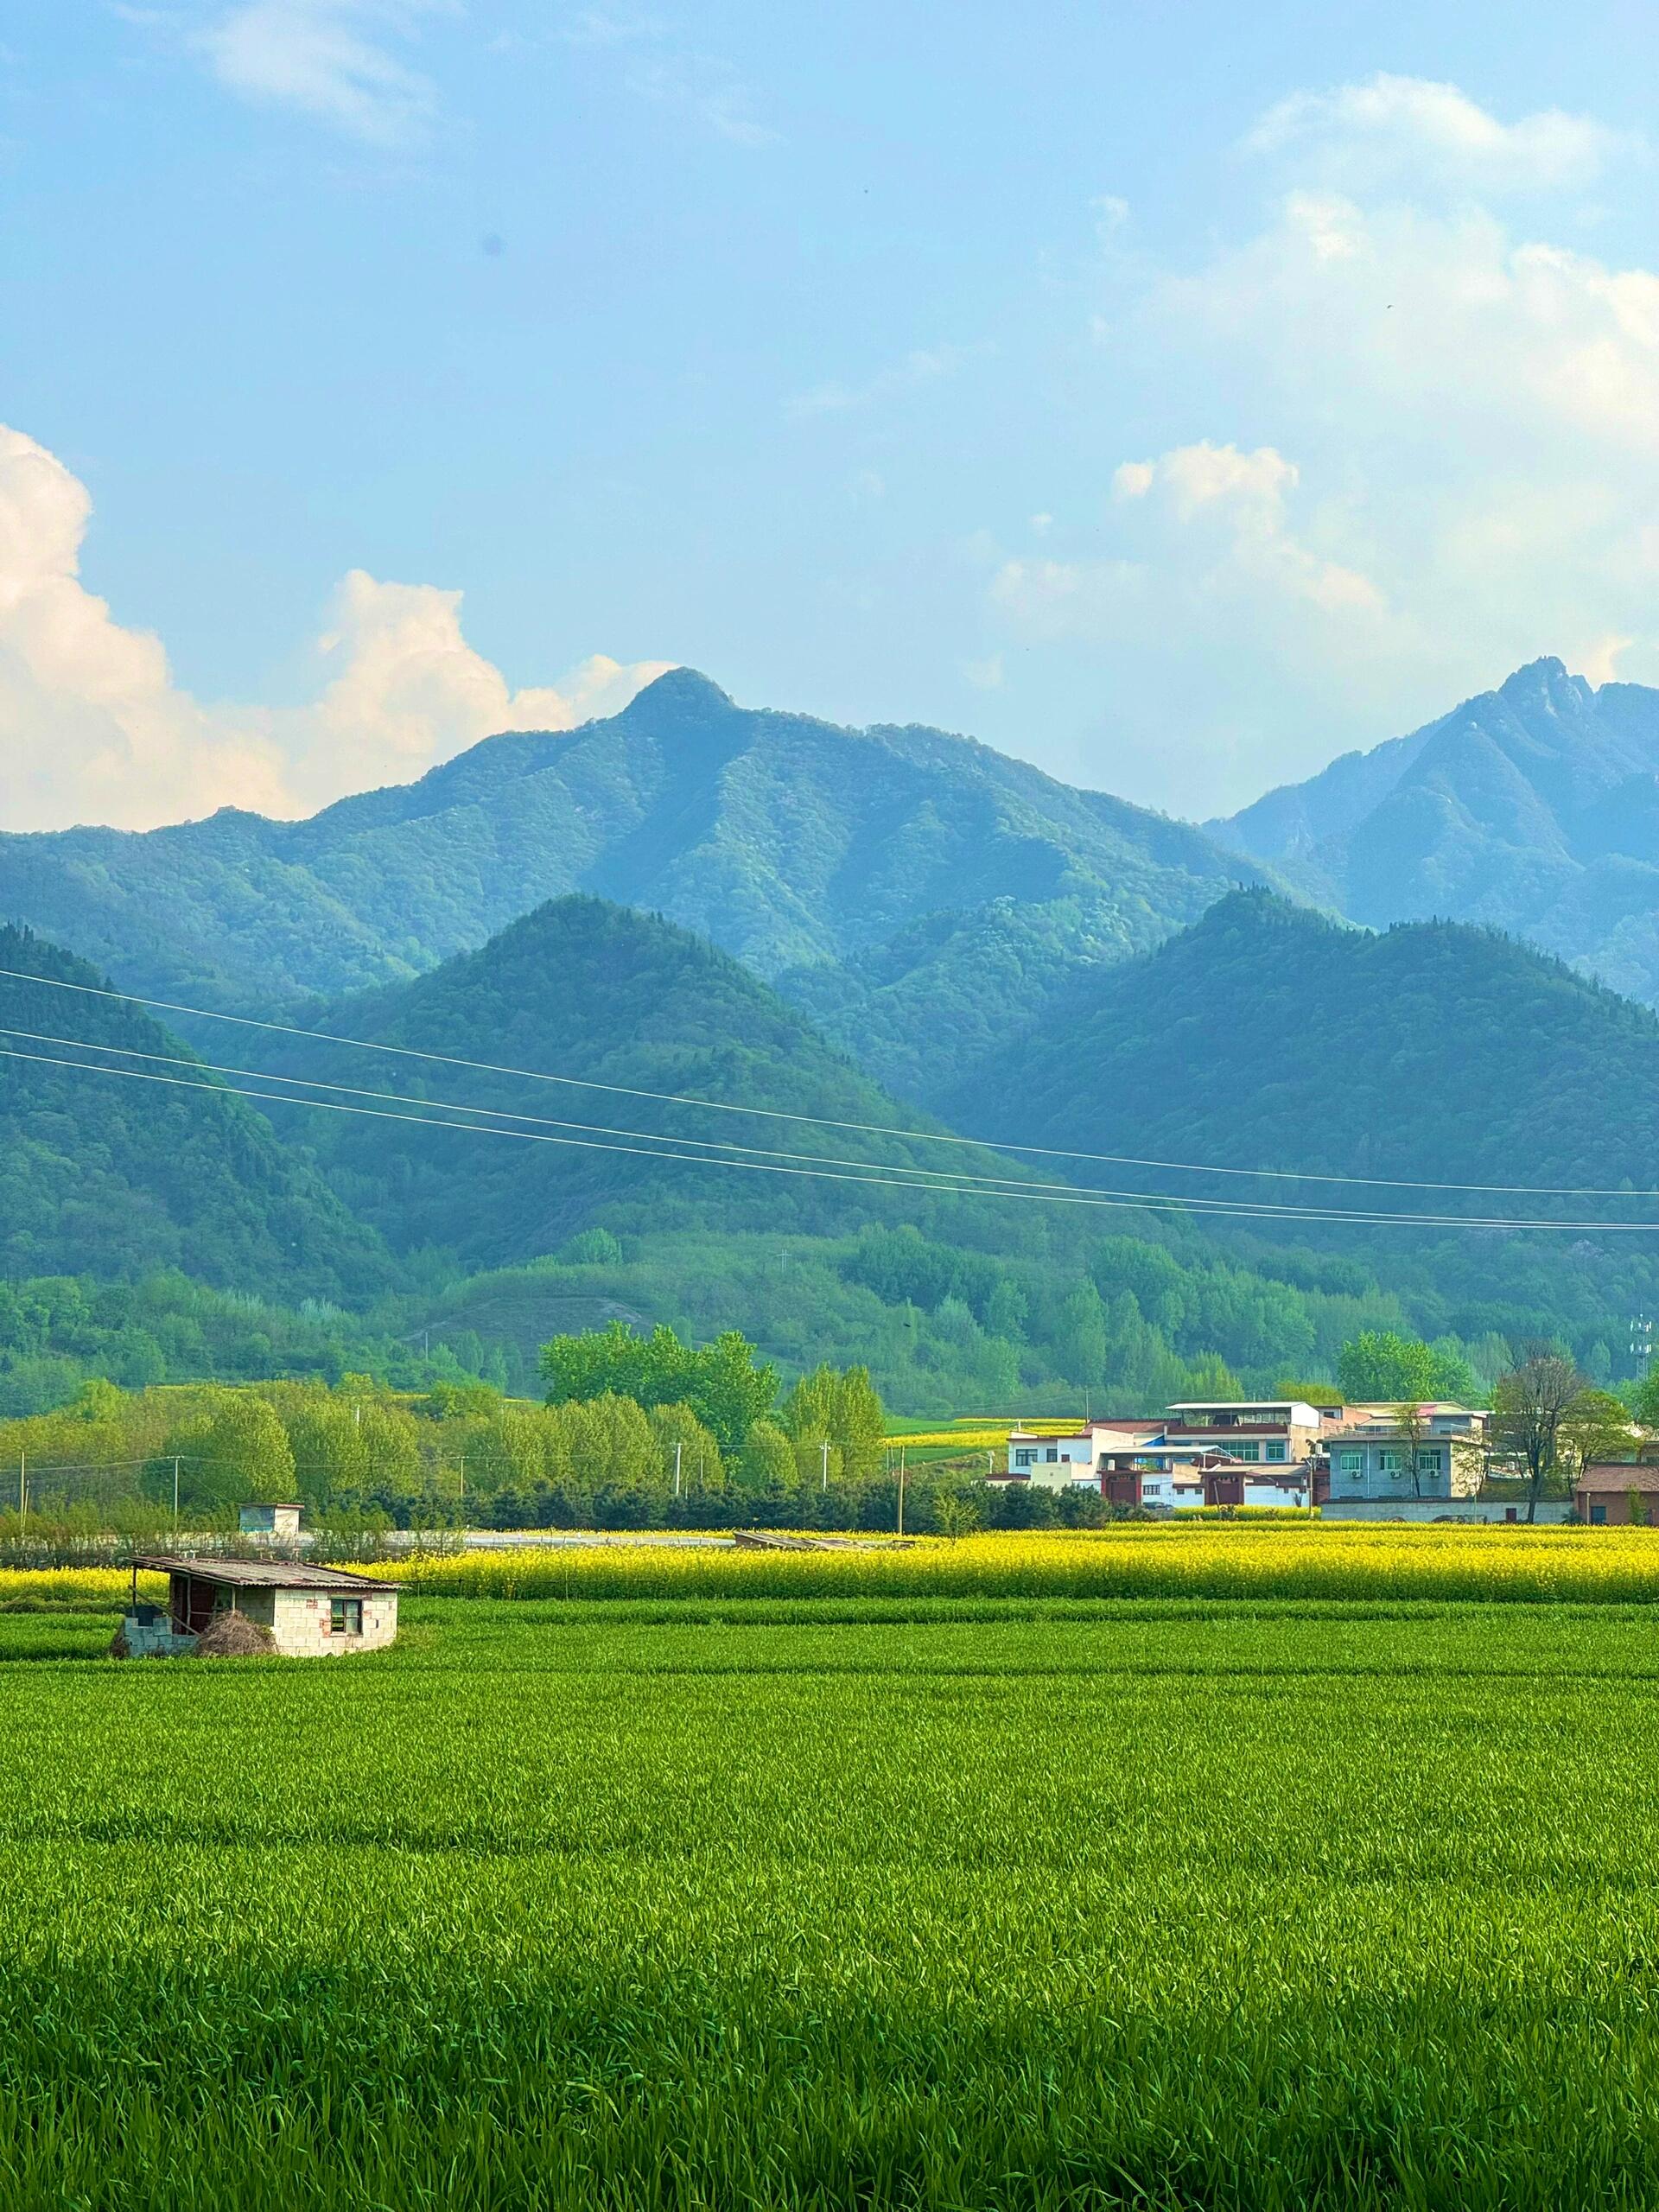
x,y
313,1612
280,1521
1607,1489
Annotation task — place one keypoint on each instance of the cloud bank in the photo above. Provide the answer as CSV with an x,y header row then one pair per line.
x,y
1455,464
95,729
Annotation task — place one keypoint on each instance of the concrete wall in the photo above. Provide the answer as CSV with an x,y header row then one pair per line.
x,y
303,1616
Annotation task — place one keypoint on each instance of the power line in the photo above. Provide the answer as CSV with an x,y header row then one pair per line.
x,y
825,1120
542,1120
1041,1195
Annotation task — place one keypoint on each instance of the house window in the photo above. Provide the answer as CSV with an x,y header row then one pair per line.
x,y
1598,1516
1023,1458
1429,1463
1276,1450
345,1617
1388,1463
1351,1463
1251,1450
1052,1453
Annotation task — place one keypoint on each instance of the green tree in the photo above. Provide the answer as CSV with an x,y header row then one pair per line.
x,y
1595,1427
843,1409
723,1383
1080,1339
1380,1365
766,1463
234,1452
611,1444
701,1467
1528,1406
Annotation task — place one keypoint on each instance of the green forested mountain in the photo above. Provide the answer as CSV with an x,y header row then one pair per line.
x,y
1269,1035
1533,809
113,1174
944,994
788,841
608,996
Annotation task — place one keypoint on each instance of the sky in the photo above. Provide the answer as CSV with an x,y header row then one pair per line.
x,y
1175,396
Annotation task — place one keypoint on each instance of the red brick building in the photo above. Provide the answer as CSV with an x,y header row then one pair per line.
x,y
1607,1489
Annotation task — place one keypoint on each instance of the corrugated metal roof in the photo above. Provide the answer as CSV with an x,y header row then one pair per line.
x,y
260,1574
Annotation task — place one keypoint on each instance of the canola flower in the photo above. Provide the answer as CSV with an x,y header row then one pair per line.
x,y
1277,1559
1212,1559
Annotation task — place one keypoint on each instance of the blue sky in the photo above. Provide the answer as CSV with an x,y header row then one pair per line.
x,y
1174,396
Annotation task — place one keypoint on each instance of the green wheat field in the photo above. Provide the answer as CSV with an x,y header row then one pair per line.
x,y
740,1903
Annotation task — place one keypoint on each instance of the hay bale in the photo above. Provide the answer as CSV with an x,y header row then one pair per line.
x,y
233,1636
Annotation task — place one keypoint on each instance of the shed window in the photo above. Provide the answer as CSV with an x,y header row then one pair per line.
x,y
345,1617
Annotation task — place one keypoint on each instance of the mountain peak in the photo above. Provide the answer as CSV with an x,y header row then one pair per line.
x,y
1546,683
681,693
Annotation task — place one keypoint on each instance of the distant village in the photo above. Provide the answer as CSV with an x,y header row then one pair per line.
x,y
1431,1462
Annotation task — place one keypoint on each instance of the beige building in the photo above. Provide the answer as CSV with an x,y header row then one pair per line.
x,y
311,1612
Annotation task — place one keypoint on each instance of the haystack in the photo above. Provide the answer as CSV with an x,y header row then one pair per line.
x,y
233,1636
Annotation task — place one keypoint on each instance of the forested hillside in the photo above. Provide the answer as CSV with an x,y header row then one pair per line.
x,y
116,1173
1270,1035
786,840
1533,809
610,997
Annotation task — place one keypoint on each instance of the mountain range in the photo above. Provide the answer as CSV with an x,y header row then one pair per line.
x,y
787,840
866,929
1533,809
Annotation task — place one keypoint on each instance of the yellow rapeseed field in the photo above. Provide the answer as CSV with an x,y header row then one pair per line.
x,y
1282,1559
978,1435
1212,1559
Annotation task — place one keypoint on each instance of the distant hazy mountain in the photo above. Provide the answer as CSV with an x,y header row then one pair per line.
x,y
109,1175
609,996
1533,808
1269,1036
788,841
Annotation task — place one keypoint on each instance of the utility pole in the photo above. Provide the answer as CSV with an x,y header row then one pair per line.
x,y
22,1491
826,1463
901,1490
678,1448
176,1493
463,1487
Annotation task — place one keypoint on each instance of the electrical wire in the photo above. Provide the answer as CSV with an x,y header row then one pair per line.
x,y
904,1180
824,1120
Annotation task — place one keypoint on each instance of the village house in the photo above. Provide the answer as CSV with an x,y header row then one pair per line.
x,y
310,1612
1254,1455
281,1523
1371,1461
1613,1495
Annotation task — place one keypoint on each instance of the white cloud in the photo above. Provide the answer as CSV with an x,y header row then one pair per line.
x,y
97,729
1452,467
1414,128
1213,523
332,59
